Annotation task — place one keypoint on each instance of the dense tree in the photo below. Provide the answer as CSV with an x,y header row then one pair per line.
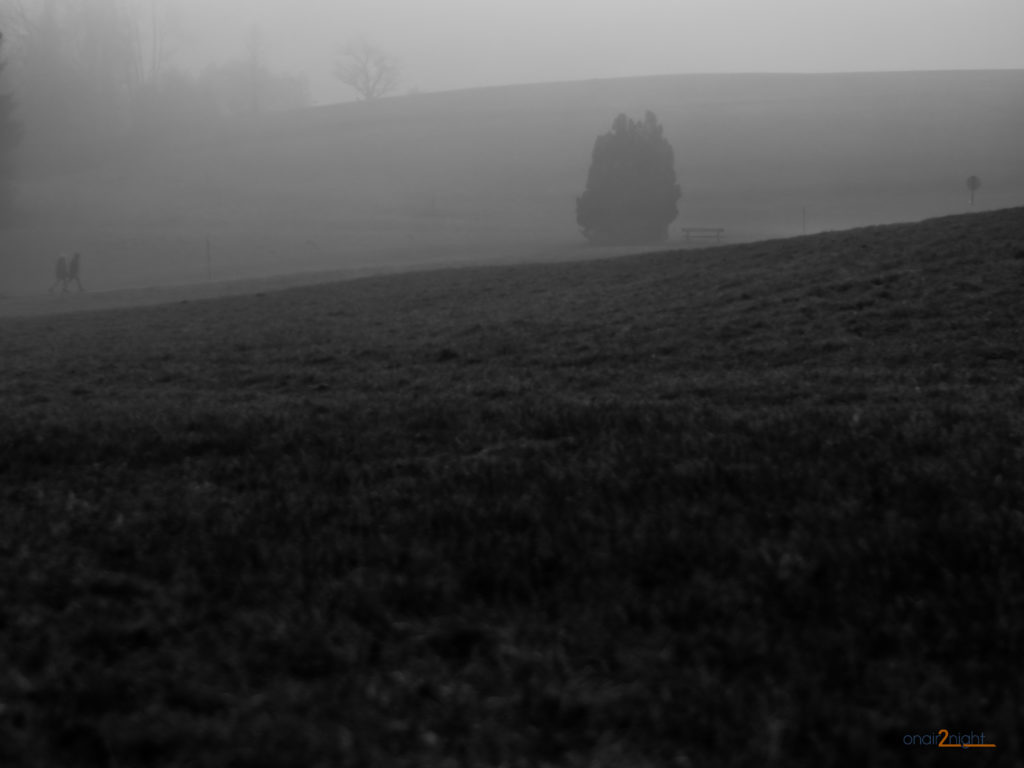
x,y
371,72
10,132
75,65
91,72
114,45
631,192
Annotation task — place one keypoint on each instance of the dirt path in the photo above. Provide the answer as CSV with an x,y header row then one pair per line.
x,y
27,305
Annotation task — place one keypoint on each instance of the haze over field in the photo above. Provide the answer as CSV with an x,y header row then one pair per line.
x,y
201,160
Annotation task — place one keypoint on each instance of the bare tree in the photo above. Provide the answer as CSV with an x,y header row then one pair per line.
x,y
370,71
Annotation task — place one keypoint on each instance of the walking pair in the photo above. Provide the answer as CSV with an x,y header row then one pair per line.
x,y
68,271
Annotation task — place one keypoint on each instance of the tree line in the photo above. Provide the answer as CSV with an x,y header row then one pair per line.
x,y
89,74
86,75
80,77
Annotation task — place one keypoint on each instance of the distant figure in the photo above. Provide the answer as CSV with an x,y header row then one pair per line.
x,y
74,271
61,274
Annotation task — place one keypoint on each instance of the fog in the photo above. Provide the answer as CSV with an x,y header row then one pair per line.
x,y
174,143
449,44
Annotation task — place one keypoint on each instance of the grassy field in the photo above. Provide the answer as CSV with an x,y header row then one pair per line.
x,y
757,505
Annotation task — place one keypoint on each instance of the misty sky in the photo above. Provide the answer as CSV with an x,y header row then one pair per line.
x,y
446,44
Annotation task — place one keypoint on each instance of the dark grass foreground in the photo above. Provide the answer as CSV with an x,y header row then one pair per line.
x,y
750,506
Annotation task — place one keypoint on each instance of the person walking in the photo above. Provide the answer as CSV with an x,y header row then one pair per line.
x,y
75,271
61,274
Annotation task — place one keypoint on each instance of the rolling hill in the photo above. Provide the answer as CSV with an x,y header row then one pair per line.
x,y
750,505
483,174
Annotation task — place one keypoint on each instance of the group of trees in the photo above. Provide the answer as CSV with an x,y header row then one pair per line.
x,y
76,66
87,71
78,77
631,194
92,72
87,74
240,87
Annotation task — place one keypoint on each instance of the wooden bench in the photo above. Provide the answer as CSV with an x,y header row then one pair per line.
x,y
703,232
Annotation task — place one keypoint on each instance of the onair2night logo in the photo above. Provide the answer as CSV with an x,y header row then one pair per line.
x,y
943,738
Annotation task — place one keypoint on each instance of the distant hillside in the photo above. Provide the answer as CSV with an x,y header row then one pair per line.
x,y
485,168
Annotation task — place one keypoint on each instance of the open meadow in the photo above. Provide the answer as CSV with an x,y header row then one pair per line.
x,y
755,505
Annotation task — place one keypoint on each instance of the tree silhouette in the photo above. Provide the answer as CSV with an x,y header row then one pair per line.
x,y
631,192
367,69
